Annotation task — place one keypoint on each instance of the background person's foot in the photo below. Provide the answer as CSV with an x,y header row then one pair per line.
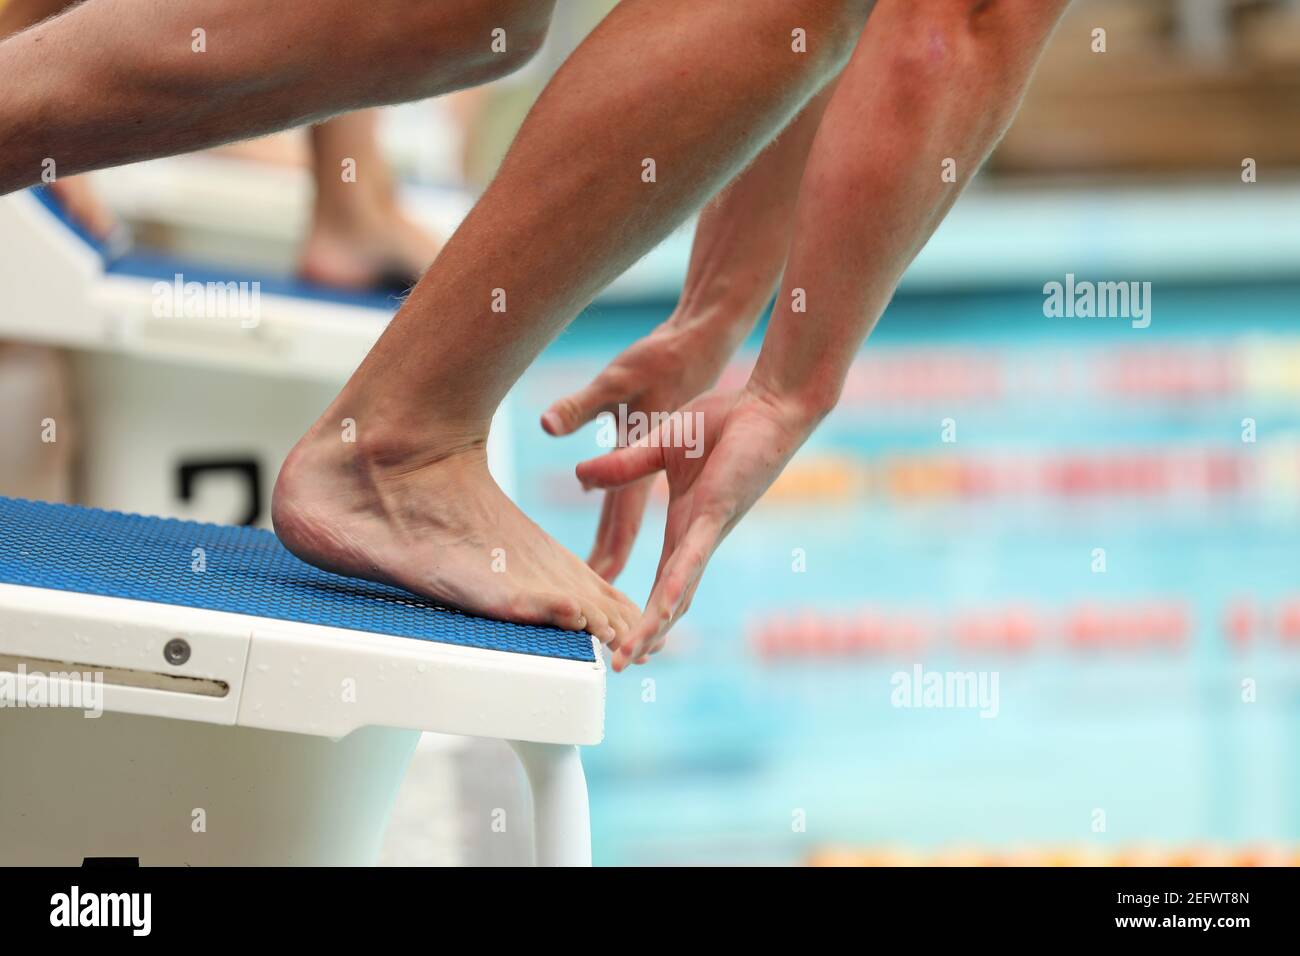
x,y
439,527
365,249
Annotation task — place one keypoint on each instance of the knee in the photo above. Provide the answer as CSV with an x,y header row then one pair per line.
x,y
833,28
446,46
931,39
519,29
972,18
494,39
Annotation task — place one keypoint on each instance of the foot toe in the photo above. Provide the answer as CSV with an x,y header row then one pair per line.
x,y
556,610
566,612
597,622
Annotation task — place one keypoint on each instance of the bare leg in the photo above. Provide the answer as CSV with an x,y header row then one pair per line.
x,y
73,191
358,232
116,81
36,385
699,88
36,381
18,15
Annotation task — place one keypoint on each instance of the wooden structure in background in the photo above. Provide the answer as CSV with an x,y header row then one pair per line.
x,y
1193,86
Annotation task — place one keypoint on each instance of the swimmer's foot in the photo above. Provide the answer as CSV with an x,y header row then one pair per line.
x,y
360,248
438,526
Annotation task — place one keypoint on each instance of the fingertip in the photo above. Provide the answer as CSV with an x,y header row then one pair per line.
x,y
588,474
552,423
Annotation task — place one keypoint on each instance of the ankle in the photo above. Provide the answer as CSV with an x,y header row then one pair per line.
x,y
353,208
389,453
381,449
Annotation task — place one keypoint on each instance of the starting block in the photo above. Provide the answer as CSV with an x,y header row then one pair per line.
x,y
181,693
211,398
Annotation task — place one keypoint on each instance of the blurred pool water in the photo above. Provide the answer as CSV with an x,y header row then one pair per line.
x,y
1101,518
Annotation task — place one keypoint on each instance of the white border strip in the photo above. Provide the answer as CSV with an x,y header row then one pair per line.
x,y
307,678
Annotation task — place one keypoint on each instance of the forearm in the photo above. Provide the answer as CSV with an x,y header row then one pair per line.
x,y
931,87
743,235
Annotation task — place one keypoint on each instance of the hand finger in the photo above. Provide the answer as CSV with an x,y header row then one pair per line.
x,y
620,520
645,630
679,575
653,648
690,596
570,413
621,467
607,508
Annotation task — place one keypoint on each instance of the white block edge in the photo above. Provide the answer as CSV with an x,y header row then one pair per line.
x,y
303,678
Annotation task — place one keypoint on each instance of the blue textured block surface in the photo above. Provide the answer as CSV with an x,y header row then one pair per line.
x,y
248,571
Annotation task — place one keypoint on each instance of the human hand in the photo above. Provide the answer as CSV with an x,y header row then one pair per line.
x,y
663,371
748,437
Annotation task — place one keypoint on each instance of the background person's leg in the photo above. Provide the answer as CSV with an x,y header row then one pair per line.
x,y
685,91
38,423
36,381
116,81
358,233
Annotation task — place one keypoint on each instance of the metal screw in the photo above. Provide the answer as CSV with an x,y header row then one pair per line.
x,y
177,651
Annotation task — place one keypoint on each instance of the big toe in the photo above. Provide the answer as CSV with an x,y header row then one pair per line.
x,y
560,610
